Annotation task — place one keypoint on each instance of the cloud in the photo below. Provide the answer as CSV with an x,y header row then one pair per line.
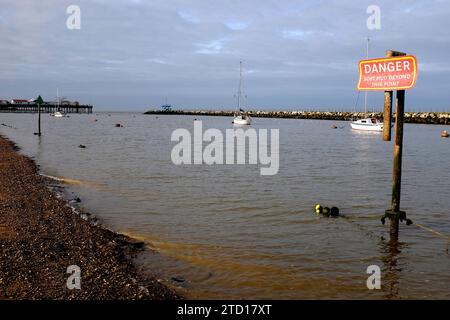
x,y
212,47
298,34
236,25
188,17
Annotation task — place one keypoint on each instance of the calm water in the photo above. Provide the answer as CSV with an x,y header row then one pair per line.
x,y
229,232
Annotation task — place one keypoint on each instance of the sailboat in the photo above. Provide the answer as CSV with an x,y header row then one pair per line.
x,y
367,124
240,116
58,113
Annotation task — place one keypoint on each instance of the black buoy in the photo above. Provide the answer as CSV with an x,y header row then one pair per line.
x,y
82,146
334,212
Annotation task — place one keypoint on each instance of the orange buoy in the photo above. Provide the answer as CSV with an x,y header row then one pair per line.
x,y
444,134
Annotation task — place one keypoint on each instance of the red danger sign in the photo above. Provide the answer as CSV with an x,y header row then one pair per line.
x,y
388,74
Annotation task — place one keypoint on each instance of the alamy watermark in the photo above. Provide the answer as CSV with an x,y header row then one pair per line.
x,y
374,280
230,149
74,280
374,20
73,22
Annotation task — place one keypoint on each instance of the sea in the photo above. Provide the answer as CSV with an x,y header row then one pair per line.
x,y
224,231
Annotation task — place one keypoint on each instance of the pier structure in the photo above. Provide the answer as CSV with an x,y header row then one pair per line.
x,y
32,107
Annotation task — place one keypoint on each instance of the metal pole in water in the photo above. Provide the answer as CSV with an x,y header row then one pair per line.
x,y
397,171
39,101
39,121
394,214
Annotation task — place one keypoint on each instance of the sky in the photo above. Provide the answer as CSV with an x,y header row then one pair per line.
x,y
134,54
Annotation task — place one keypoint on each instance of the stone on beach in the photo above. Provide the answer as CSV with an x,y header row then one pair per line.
x,y
41,236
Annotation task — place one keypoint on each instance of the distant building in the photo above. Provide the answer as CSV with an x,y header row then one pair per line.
x,y
4,101
67,103
19,101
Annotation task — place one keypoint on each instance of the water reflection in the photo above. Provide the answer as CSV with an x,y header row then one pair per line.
x,y
391,253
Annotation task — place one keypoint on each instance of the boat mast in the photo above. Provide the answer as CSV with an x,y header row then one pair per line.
x,y
57,99
365,96
240,87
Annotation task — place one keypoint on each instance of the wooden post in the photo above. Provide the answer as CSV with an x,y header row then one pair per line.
x,y
395,213
387,114
398,152
388,95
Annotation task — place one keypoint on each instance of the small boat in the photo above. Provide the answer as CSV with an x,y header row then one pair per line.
x,y
444,134
368,124
58,114
240,116
242,119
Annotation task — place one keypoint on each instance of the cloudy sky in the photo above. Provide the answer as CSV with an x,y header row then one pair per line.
x,y
132,54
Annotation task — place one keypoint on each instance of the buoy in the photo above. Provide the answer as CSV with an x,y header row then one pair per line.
x,y
444,134
82,146
326,211
118,125
334,212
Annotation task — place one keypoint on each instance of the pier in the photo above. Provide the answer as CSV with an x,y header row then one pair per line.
x,y
45,108
442,118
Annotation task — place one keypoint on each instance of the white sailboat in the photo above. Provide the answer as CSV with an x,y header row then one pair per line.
x,y
367,124
58,113
240,116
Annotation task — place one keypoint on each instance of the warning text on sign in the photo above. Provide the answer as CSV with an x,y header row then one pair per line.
x,y
388,74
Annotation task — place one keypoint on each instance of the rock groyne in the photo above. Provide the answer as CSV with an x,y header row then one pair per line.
x,y
442,118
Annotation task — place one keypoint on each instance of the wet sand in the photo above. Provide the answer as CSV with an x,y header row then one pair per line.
x,y
41,236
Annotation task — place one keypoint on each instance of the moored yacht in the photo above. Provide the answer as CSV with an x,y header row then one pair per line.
x,y
367,124
240,116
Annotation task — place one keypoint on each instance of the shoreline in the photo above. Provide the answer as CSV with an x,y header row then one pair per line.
x,y
41,235
437,118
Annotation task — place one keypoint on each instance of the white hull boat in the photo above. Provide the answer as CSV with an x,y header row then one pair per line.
x,y
240,116
58,114
368,124
242,120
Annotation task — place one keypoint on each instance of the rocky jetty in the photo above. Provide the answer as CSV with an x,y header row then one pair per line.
x,y
410,117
